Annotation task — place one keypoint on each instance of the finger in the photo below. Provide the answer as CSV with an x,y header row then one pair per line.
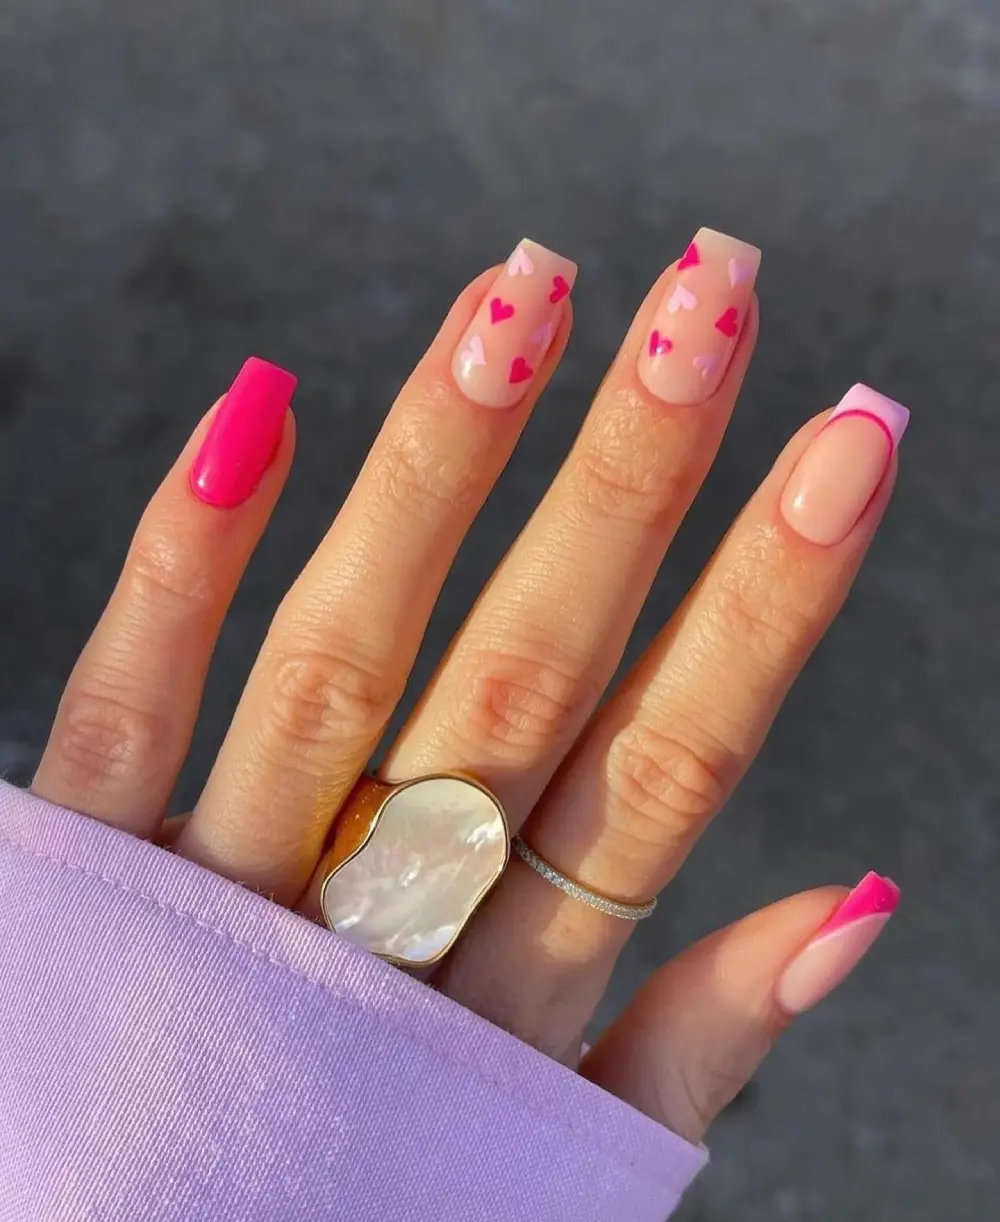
x,y
695,1034
341,646
528,667
125,720
670,746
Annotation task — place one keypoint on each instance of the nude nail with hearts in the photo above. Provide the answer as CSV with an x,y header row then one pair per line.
x,y
505,344
696,326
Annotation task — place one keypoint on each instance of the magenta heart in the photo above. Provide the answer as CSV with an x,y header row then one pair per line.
x,y
659,345
727,323
560,289
690,258
520,370
500,310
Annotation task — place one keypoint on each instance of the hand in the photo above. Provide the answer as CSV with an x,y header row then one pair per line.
x,y
614,799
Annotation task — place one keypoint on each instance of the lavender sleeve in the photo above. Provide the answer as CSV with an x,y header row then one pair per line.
x,y
174,1047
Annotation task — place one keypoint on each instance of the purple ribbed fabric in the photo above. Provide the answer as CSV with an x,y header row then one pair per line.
x,y
174,1047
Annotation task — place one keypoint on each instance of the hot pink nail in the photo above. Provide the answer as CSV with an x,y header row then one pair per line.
x,y
506,342
839,945
243,438
836,478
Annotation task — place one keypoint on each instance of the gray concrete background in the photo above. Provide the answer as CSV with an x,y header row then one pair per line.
x,y
185,182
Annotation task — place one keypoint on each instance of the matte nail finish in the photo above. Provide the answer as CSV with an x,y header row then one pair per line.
x,y
244,435
839,945
699,319
836,478
502,349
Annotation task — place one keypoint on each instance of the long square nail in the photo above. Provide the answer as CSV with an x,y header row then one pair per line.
x,y
244,435
699,319
839,473
502,349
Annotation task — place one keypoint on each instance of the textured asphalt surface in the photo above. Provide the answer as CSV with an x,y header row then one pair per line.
x,y
184,183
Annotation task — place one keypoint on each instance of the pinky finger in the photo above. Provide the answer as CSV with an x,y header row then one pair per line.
x,y
125,720
696,1033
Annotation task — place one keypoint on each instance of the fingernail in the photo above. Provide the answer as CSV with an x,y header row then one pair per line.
x,y
505,344
836,478
839,945
699,319
244,435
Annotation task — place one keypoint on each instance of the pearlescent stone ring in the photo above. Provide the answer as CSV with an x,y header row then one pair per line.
x,y
410,864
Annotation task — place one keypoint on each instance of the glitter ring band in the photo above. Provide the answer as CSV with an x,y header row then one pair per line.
x,y
626,912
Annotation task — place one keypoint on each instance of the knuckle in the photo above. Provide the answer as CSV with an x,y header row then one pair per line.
x,y
660,788
414,473
623,474
523,705
102,740
767,616
322,697
168,576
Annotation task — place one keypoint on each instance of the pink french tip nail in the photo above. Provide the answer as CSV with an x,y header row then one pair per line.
x,y
698,321
861,400
839,945
505,344
835,479
244,435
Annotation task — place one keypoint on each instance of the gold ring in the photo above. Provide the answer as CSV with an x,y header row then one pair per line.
x,y
410,864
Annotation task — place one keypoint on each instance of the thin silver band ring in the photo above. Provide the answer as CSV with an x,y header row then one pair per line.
x,y
626,912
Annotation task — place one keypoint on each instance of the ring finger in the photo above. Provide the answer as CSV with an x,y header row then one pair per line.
x,y
668,749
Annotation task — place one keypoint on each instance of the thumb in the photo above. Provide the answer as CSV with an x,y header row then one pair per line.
x,y
695,1034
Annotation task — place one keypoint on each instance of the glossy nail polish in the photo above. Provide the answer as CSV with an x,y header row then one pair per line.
x,y
502,349
699,318
839,945
836,478
244,435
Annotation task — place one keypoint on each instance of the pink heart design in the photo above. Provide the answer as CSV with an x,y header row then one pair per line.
x,y
520,370
705,365
520,263
659,345
727,323
690,258
500,310
542,335
474,354
681,299
560,289
739,271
